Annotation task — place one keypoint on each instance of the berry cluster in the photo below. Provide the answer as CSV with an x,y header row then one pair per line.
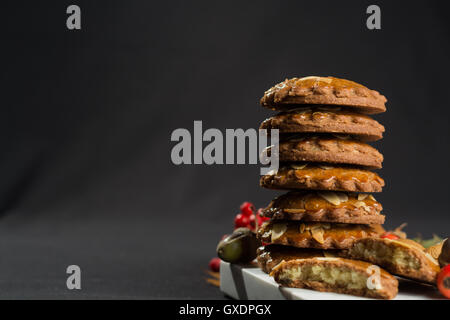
x,y
247,217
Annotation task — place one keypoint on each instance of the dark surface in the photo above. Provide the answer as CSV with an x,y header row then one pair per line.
x,y
119,258
86,118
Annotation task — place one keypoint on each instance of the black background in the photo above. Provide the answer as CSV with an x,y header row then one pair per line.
x,y
86,119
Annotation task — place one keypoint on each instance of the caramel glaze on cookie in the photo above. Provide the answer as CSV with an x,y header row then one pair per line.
x,y
323,91
325,206
320,177
329,149
319,120
318,235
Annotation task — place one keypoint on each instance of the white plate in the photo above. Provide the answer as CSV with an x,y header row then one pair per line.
x,y
249,282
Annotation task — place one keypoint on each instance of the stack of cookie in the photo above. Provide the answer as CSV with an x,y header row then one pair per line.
x,y
326,163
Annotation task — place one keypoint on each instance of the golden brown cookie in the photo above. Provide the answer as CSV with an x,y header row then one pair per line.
x,y
270,255
402,257
326,206
307,148
319,120
323,177
318,235
336,275
323,91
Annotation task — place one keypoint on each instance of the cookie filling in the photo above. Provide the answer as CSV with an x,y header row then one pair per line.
x,y
342,276
385,254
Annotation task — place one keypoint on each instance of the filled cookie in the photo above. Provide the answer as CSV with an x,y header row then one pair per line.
x,y
336,275
323,91
326,206
322,177
324,120
329,149
402,257
318,235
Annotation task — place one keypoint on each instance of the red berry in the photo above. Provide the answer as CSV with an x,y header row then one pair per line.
x,y
391,236
247,208
443,281
214,264
241,220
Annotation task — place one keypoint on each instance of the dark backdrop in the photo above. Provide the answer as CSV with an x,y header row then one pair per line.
x,y
86,118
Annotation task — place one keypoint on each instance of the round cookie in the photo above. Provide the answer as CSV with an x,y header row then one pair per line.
x,y
326,206
330,150
320,177
317,235
318,120
323,91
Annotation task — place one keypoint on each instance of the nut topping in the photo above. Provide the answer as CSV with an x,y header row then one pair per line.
x,y
302,228
298,166
342,196
325,167
331,197
278,229
317,234
362,196
359,204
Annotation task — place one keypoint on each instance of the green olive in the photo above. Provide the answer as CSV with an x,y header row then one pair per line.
x,y
239,247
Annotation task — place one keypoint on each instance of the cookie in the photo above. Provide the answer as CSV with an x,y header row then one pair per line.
x,y
336,275
329,149
323,91
318,235
319,120
326,206
402,257
323,177
271,255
